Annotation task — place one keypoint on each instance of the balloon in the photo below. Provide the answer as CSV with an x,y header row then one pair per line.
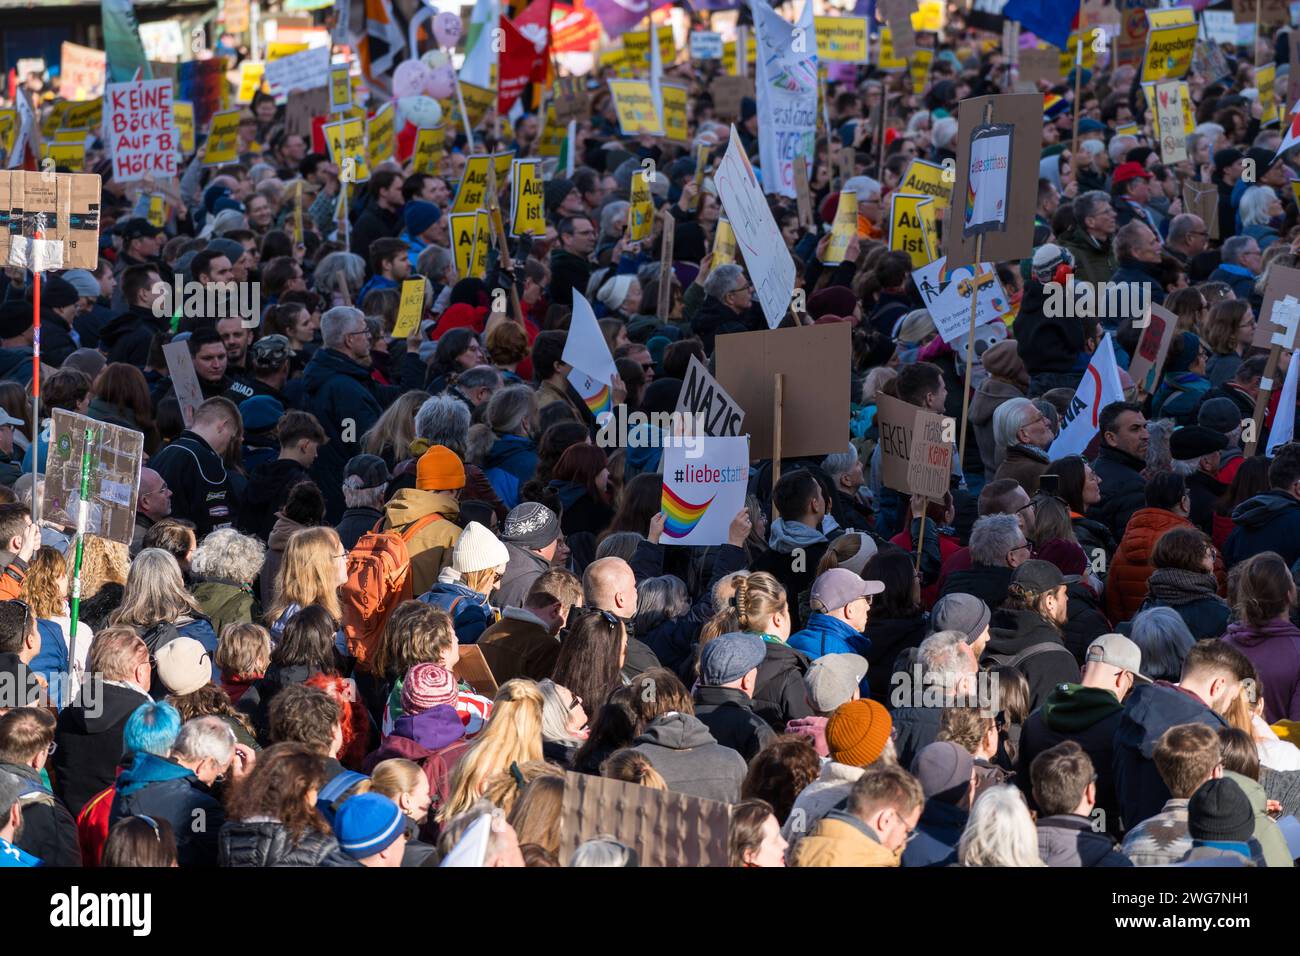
x,y
436,58
419,111
410,78
446,29
442,83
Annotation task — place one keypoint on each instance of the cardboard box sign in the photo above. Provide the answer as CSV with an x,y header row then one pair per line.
x,y
114,476
728,92
914,457
815,409
69,203
1282,282
664,827
473,669
1153,349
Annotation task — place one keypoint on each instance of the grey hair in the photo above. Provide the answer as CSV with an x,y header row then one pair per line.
x,y
840,463
1164,639
271,189
992,537
611,216
480,376
1234,247
601,851
943,656
555,714
943,131
227,554
1254,205
433,263
660,599
723,279
444,420
1159,455
228,220
1119,147
1009,418
1087,204
1000,831
205,737
510,408
1093,147
620,544
1211,130
1183,225
352,266
334,324
915,121
354,497
1128,236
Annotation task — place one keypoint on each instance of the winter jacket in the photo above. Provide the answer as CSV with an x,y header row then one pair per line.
x,y
1088,716
1025,464
158,787
269,843
728,713
434,739
1126,581
1160,840
817,799
1241,280
49,831
202,491
886,639
1094,538
1149,711
568,272
470,612
1205,491
276,543
824,634
356,522
1195,598
1046,344
1274,649
779,694
523,568
991,394
225,602
1014,632
374,223
430,547
778,562
1179,396
934,842
511,461
519,645
841,839
1267,834
915,728
129,336
1123,489
714,317
1267,522
267,491
987,582
579,511
346,401
57,339
1093,261
1068,839
1085,620
690,759
89,739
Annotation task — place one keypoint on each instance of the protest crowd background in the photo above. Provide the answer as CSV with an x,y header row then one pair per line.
x,y
452,423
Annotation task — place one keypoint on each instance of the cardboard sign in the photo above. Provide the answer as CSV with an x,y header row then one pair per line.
x,y
912,227
1169,122
1040,65
180,368
223,139
302,108
1272,13
65,207
300,71
843,39
924,178
473,185
141,130
947,297
676,127
664,827
802,193
1023,113
728,93
1283,281
430,147
81,71
705,45
346,140
570,99
720,414
906,430
410,308
473,669
635,104
1153,349
114,476
814,421
250,80
380,131
1202,199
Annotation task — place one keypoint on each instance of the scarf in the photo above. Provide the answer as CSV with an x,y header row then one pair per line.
x,y
786,536
1174,587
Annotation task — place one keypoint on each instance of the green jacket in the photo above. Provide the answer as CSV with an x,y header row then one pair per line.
x,y
1092,262
1270,837
225,603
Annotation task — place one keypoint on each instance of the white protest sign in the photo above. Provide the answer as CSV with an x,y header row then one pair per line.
x,y
757,236
706,45
1219,26
786,90
702,395
180,367
947,297
300,71
704,489
1286,314
990,179
585,348
140,124
1100,387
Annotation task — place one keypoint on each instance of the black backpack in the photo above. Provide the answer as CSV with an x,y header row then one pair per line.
x,y
156,638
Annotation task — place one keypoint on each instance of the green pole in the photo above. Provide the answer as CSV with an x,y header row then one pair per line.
x,y
83,506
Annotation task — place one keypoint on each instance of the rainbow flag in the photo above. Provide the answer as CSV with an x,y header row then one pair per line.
x,y
597,396
681,516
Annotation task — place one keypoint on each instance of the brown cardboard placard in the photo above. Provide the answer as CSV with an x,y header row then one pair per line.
x,y
117,454
571,99
814,421
303,107
664,827
912,450
1131,41
1153,348
1024,111
1272,13
728,91
70,205
803,197
1202,199
180,367
1036,64
1282,282
473,669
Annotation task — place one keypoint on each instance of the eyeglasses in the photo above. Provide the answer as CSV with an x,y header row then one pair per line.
x,y
1024,547
577,702
365,332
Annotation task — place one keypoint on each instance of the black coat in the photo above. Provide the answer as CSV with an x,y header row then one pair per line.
x,y
1123,489
987,582
1205,491
49,830
57,342
1094,537
915,728
373,224
729,715
89,743
201,487
780,565
779,694
568,272
355,523
267,491
270,844
195,814
1011,632
1046,343
890,637
128,337
714,318
1086,620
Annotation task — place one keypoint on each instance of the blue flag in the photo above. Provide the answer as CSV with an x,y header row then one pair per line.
x,y
1050,21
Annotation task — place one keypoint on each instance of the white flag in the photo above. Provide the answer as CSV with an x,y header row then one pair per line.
x,y
786,92
1291,130
585,348
480,54
1100,387
1283,429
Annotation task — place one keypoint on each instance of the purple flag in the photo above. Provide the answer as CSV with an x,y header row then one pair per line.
x,y
699,6
620,16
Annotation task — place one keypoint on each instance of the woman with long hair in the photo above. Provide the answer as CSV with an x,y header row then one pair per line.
x,y
314,567
121,397
612,729
1229,330
1080,488
458,350
1183,579
306,648
897,622
641,501
999,832
564,723
591,656
303,508
512,735
391,435
1264,633
46,592
535,816
581,480
1250,480
140,841
755,839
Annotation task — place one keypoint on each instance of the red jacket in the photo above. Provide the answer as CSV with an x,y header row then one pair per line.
x,y
948,546
1126,581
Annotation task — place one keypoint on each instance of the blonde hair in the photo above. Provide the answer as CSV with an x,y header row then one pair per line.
x,y
746,602
513,734
102,562
155,592
506,788
116,652
243,648
41,587
1000,831
632,766
395,777
395,428
306,574
482,580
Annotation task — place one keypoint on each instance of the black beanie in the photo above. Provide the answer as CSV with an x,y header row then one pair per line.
x,y
15,319
1220,810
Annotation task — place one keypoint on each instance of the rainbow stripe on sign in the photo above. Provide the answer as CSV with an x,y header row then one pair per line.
x,y
600,402
680,516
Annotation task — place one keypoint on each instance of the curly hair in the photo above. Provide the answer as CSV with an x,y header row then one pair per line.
x,y
779,772
102,562
416,633
278,786
209,700
41,589
225,554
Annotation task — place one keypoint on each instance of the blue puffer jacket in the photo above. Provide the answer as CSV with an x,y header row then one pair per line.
x,y
510,463
157,787
52,659
829,635
470,612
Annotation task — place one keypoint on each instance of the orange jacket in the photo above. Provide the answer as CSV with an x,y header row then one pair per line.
x,y
11,580
1126,580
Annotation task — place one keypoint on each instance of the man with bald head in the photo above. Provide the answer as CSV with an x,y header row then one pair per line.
x,y
153,503
610,585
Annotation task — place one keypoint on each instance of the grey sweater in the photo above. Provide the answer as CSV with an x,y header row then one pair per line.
x,y
690,760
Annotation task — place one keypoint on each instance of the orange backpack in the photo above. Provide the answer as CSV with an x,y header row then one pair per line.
x,y
379,579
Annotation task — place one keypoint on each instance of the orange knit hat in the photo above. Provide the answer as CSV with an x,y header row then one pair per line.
x,y
857,732
439,469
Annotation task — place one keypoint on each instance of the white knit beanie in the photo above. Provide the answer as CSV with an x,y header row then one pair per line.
x,y
478,549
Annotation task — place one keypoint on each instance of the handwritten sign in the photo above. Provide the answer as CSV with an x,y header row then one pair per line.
x,y
141,130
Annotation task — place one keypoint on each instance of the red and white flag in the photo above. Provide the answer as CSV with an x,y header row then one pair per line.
x,y
1100,387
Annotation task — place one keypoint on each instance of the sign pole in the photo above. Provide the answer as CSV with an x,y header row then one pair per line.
x,y
776,427
1078,77
666,267
36,384
1265,394
920,541
1258,6
884,100
83,507
503,242
970,347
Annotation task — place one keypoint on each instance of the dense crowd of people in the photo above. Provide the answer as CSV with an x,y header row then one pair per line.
x,y
383,594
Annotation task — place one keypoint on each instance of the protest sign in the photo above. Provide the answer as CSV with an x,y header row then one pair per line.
x,y
250,80
724,244
430,147
180,368
157,214
141,130
947,297
300,71
634,103
843,229
889,60
570,99
203,83
340,88
380,133
65,207
814,421
701,395
1282,430
1171,40
1169,123
1202,199
482,240
68,157
81,71
729,92
1283,281
462,228
663,827
410,307
912,227
1292,77
988,186
116,452
676,128
928,179
843,39
585,347
787,87
641,208
473,669
1219,26
85,116
766,257
302,108
1038,64
906,430
235,14
473,185
704,488
1153,348
1099,387
1265,76
919,67
527,213
705,45
346,140
223,139
8,133
597,395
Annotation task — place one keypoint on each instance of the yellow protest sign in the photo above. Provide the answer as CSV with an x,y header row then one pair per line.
x,y
1264,76
1071,51
482,232
724,244
67,156
842,39
887,59
928,16
1169,48
70,135
641,211
928,179
729,65
297,213
920,68
223,138
1128,129
635,106
478,100
87,115
8,130
527,206
636,46
461,227
430,146
410,308
278,49
501,166
250,80
157,214
473,185
183,113
379,135
55,119
675,126
346,140
340,88
912,227
843,229
553,134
